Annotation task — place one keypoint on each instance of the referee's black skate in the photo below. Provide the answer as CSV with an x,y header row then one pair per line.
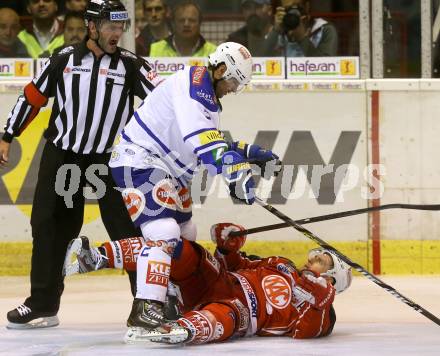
x,y
23,317
82,258
146,316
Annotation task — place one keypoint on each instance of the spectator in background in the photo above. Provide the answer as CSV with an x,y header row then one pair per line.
x,y
298,34
46,34
259,17
19,6
157,28
74,29
10,45
186,40
72,6
139,18
76,5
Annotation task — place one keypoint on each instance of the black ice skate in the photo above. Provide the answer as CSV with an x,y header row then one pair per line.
x,y
24,317
81,258
146,318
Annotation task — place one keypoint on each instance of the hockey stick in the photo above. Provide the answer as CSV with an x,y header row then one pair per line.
x,y
354,265
339,215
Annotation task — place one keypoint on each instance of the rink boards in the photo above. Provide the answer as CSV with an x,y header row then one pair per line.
x,y
336,139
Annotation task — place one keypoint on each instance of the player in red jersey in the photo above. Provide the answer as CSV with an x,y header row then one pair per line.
x,y
229,294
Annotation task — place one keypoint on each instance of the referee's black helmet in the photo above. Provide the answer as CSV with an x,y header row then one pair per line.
x,y
110,10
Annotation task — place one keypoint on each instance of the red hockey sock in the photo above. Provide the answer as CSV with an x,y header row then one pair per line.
x,y
123,254
213,323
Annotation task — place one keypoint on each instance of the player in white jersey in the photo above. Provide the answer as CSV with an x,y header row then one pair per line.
x,y
170,135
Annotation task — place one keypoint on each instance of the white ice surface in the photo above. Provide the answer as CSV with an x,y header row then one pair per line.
x,y
94,310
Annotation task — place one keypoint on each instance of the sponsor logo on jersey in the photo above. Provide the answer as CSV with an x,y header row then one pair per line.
x,y
115,74
285,268
104,71
131,248
210,136
165,194
205,96
158,273
114,157
76,69
277,291
201,325
250,294
197,75
134,201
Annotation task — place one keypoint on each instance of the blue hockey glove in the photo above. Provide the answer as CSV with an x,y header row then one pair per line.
x,y
238,176
268,162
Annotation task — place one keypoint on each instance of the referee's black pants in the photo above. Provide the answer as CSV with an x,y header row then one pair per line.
x,y
54,224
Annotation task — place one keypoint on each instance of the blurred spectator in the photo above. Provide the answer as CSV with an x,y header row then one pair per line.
x,y
74,29
139,18
157,28
259,17
46,34
71,6
10,45
186,40
297,34
76,5
19,6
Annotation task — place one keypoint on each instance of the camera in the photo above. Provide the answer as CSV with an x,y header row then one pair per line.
x,y
292,18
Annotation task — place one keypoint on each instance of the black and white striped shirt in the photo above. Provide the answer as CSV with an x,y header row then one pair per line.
x,y
93,98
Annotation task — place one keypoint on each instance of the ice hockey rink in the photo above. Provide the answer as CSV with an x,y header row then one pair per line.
x,y
94,310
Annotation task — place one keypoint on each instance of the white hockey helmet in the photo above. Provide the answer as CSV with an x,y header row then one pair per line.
x,y
238,61
341,272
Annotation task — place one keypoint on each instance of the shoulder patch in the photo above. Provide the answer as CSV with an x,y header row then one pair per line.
x,y
197,75
201,88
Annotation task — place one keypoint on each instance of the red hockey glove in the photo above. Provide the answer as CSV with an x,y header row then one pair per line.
x,y
225,244
314,289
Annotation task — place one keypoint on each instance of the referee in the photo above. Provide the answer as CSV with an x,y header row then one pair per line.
x,y
93,84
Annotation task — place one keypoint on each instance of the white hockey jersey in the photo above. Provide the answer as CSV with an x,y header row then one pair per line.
x,y
175,127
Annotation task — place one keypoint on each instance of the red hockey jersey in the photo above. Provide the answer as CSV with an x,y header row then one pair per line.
x,y
280,307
